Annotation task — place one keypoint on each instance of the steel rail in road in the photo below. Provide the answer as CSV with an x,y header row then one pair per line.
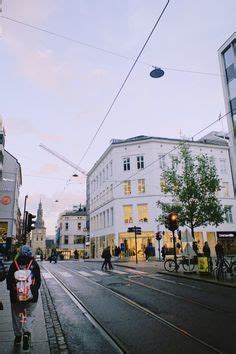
x,y
139,307
114,342
180,297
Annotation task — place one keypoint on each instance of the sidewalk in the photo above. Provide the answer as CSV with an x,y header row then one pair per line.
x,y
39,339
156,266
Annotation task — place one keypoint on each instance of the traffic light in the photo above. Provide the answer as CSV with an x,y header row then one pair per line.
x,y
158,236
30,222
172,222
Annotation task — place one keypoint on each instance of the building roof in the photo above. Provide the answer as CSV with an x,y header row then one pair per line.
x,y
213,138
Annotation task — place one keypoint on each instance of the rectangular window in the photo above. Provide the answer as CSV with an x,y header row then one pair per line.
x,y
79,226
140,162
128,214
143,213
162,162
66,240
127,187
162,184
106,171
78,239
222,166
108,220
126,163
111,168
100,178
112,216
174,161
141,185
225,189
228,214
66,226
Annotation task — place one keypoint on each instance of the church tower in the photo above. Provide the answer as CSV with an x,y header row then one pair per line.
x,y
38,237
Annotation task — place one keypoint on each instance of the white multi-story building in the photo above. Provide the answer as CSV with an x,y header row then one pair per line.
x,y
125,185
71,231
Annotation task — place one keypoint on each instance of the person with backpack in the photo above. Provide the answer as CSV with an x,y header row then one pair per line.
x,y
23,282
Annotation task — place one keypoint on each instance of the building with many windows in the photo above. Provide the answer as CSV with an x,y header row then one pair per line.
x,y
10,182
125,185
71,232
227,58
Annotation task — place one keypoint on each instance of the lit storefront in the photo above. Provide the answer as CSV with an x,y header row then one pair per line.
x,y
228,240
127,243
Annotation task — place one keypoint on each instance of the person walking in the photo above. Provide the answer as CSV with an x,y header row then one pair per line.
x,y
106,254
147,253
3,275
207,253
163,252
206,250
23,282
219,251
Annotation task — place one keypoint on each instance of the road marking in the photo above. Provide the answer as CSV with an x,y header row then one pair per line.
x,y
85,273
135,271
99,272
46,275
161,279
65,274
117,271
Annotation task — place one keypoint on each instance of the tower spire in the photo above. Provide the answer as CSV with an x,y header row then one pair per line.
x,y
39,223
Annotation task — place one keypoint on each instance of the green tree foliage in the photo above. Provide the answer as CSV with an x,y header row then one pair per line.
x,y
191,184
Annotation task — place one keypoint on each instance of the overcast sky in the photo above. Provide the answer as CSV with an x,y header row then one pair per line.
x,y
56,92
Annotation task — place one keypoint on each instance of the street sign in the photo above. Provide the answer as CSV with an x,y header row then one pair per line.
x,y
135,229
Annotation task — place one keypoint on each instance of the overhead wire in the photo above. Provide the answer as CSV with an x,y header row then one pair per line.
x,y
120,89
104,50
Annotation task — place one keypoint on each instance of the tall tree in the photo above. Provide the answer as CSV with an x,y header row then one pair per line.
x,y
191,184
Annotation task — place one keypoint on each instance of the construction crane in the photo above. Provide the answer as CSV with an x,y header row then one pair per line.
x,y
62,158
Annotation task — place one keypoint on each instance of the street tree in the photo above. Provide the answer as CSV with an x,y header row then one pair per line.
x,y
191,185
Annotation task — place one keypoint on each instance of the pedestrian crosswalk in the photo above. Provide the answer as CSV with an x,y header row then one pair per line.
x,y
92,273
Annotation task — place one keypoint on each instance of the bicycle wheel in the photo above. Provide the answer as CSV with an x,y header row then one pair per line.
x,y
188,266
233,267
169,265
220,273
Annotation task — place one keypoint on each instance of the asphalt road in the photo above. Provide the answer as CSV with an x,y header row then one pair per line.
x,y
139,311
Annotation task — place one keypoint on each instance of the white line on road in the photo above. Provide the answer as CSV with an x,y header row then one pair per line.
x,y
46,275
65,274
117,271
99,272
85,273
135,271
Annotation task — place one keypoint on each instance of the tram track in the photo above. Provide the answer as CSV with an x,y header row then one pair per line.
x,y
132,303
114,342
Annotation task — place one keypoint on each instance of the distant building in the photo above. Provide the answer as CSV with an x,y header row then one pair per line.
x,y
10,182
38,235
71,231
125,185
227,58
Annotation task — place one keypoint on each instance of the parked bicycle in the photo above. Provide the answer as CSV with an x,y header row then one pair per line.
x,y
171,265
224,266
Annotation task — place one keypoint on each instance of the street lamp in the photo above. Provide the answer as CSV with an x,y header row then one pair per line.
x,y
157,73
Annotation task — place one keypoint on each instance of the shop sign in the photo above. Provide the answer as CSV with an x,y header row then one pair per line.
x,y
6,199
226,234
